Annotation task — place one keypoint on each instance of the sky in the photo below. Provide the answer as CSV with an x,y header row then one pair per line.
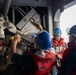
x,y
67,19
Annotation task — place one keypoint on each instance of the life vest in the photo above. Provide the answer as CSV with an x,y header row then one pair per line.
x,y
59,46
44,65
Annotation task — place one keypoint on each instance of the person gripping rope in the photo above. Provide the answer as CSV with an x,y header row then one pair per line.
x,y
41,60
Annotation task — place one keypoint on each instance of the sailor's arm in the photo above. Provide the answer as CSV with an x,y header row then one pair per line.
x,y
12,50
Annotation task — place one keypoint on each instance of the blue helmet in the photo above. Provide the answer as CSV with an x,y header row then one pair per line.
x,y
72,30
57,31
44,40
